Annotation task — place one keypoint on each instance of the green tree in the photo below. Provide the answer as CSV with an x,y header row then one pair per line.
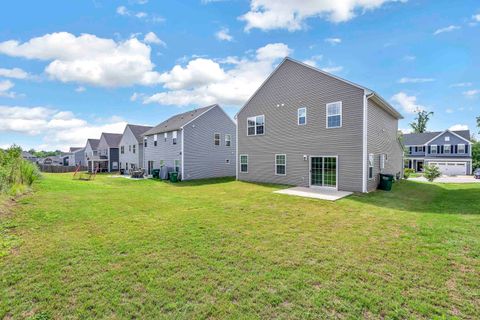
x,y
421,120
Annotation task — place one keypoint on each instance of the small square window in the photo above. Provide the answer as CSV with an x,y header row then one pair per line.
x,y
447,138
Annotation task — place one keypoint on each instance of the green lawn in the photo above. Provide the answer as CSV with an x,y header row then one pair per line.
x,y
116,248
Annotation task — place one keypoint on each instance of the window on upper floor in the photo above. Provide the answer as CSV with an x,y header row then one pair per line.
x,y
129,148
228,140
461,148
447,139
256,125
155,139
433,149
302,116
145,141
165,136
216,139
334,114
134,147
122,149
174,137
447,149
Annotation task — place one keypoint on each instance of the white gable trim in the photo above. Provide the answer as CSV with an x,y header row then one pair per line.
x,y
442,133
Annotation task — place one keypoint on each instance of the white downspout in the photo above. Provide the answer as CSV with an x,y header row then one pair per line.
x,y
364,143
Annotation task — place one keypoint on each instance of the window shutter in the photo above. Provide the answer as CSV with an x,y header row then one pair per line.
x,y
410,150
429,149
466,148
456,148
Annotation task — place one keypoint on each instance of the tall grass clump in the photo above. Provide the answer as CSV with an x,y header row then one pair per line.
x,y
16,173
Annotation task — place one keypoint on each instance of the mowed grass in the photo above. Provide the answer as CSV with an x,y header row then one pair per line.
x,y
115,248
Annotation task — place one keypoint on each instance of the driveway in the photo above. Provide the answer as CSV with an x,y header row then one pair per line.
x,y
450,179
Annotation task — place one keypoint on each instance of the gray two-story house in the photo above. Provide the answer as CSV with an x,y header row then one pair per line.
x,y
90,152
450,151
131,147
305,127
197,144
107,159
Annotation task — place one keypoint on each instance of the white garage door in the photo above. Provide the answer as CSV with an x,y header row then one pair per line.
x,y
451,168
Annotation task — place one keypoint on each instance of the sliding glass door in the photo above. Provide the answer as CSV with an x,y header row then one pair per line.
x,y
323,172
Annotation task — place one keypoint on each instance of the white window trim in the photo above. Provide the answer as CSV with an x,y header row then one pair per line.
x,y
298,116
276,164
255,126
215,139
432,148
371,164
458,148
229,136
332,115
240,163
165,136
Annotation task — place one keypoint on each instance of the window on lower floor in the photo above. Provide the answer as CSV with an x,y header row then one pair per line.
x,y
280,164
383,158
371,161
162,163
244,163
177,165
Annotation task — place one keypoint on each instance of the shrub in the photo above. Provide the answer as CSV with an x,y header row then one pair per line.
x,y
431,172
407,172
29,172
16,173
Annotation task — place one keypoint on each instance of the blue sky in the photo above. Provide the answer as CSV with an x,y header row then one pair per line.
x,y
72,69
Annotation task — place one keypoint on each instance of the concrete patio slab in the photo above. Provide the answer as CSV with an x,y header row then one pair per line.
x,y
323,194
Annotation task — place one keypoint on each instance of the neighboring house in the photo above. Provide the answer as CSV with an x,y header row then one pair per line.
x,y
53,161
197,144
305,127
79,157
131,147
108,152
28,156
72,157
450,151
91,153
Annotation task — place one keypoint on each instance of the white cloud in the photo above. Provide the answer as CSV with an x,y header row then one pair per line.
x,y
291,14
461,85
60,129
446,29
123,11
15,73
312,61
458,127
405,131
333,69
415,80
407,103
471,93
205,81
5,87
80,89
476,17
333,41
88,59
409,58
449,110
224,35
153,38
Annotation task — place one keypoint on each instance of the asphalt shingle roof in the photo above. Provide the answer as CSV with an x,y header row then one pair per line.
x,y
178,121
93,143
138,131
416,139
112,139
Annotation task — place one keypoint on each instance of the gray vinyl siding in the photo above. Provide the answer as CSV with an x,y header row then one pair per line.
x,y
291,87
128,141
382,138
113,157
80,158
202,159
454,140
165,151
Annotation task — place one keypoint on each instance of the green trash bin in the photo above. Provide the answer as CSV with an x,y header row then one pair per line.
x,y
173,176
386,181
156,173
